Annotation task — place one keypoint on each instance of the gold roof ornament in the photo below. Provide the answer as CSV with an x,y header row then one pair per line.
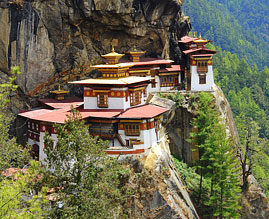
x,y
113,57
194,34
59,94
200,40
135,54
59,91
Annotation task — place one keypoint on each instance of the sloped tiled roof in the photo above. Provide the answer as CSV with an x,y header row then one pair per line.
x,y
173,68
143,112
120,81
60,104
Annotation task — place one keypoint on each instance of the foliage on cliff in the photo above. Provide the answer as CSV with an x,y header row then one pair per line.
x,y
11,153
89,178
216,162
18,198
247,90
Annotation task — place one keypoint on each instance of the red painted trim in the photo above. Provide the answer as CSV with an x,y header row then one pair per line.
x,y
120,126
41,128
53,130
143,126
137,151
150,125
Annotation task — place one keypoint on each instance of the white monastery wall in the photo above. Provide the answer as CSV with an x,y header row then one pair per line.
x,y
195,79
42,154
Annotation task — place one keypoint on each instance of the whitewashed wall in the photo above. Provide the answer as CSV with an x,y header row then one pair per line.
x,y
195,86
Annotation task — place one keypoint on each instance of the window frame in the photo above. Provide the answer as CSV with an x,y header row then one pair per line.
x,y
202,66
202,79
135,97
102,103
132,129
168,80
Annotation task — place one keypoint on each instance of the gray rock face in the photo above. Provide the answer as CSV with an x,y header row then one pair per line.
x,y
179,127
254,201
163,195
54,41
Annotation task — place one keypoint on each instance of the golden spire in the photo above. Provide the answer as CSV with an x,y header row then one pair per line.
x,y
194,34
59,94
200,36
135,48
113,50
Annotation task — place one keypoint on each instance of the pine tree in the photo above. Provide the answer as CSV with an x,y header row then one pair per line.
x,y
11,154
217,161
88,178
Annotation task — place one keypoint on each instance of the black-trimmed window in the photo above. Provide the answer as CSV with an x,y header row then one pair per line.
x,y
132,129
102,100
202,66
169,80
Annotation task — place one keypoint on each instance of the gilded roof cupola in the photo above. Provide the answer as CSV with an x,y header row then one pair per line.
x,y
201,42
112,57
60,93
113,69
135,55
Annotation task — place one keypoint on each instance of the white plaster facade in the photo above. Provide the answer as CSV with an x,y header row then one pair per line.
x,y
113,102
195,85
148,136
158,87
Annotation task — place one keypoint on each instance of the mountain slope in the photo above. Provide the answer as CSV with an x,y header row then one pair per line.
x,y
234,25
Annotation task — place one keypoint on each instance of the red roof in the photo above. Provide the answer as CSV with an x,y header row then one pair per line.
x,y
100,113
201,55
53,116
32,114
187,39
60,104
173,68
60,115
145,111
148,61
198,49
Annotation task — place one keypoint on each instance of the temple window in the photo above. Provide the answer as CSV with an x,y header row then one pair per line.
x,y
135,97
202,66
169,80
202,79
132,129
102,100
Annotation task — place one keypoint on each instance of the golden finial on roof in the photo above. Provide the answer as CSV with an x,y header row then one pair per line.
x,y
200,36
135,48
113,50
194,34
59,94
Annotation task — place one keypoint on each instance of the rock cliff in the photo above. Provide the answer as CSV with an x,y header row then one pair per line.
x,y
178,127
54,41
161,192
